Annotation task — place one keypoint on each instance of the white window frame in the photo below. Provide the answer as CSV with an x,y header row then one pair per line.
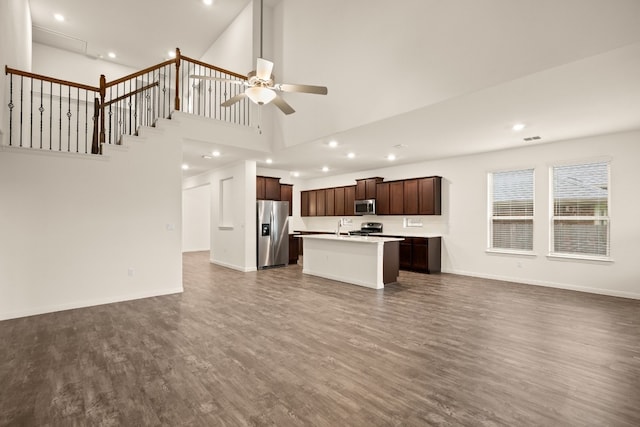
x,y
490,216
553,218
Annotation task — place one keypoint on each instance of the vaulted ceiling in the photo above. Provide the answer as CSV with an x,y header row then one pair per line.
x,y
421,79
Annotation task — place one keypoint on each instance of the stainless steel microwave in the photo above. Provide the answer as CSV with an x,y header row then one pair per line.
x,y
365,207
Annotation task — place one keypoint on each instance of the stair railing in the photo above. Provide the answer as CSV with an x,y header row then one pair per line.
x,y
202,97
51,114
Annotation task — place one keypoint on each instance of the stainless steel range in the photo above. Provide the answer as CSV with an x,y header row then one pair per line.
x,y
367,228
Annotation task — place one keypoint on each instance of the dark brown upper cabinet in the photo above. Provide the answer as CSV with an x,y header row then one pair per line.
x,y
286,195
267,188
382,198
313,198
429,195
396,198
349,199
339,201
321,203
304,203
366,188
330,201
410,197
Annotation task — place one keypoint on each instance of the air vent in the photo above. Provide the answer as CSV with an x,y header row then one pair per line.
x,y
532,138
61,41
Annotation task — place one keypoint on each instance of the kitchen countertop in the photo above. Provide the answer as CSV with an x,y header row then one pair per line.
x,y
393,234
352,239
407,234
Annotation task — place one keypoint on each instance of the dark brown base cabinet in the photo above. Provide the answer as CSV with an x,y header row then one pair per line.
x,y
421,254
293,248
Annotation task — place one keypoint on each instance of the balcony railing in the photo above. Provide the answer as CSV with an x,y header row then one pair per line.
x,y
52,114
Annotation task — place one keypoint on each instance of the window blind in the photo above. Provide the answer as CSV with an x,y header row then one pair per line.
x,y
512,210
581,210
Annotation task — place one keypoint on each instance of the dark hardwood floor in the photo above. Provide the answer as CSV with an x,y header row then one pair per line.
x,y
281,348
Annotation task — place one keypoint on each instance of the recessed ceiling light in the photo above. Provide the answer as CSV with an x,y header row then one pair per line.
x,y
518,127
185,167
111,55
296,174
351,155
325,169
391,157
171,53
58,17
333,144
215,153
207,2
269,161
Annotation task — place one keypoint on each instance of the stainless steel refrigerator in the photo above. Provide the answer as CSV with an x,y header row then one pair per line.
x,y
273,233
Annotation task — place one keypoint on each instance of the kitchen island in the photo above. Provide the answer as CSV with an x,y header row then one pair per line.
x,y
360,260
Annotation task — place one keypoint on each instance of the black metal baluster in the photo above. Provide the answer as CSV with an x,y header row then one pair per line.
x,y
50,115
209,91
182,63
130,112
31,114
111,123
193,84
10,105
134,130
60,119
86,120
21,106
77,120
69,121
41,109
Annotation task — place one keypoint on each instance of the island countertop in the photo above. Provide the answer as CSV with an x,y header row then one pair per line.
x,y
352,239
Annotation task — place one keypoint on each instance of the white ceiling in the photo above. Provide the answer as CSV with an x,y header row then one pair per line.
x,y
440,78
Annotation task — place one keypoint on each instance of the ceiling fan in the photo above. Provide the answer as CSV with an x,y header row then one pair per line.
x,y
260,85
261,88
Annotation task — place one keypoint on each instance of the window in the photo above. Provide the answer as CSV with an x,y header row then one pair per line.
x,y
580,216
511,210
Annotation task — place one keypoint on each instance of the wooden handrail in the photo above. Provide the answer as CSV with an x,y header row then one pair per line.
x,y
8,70
120,98
213,67
140,73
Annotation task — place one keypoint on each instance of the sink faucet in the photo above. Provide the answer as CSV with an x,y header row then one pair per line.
x,y
338,229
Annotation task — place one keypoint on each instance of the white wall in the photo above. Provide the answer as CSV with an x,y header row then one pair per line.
x,y
233,49
15,46
463,223
75,67
399,59
81,230
232,245
196,219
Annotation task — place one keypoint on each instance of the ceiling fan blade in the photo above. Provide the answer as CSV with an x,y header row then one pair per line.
x,y
264,69
229,102
318,90
218,79
282,105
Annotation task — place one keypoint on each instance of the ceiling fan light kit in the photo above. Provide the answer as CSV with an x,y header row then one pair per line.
x,y
260,95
